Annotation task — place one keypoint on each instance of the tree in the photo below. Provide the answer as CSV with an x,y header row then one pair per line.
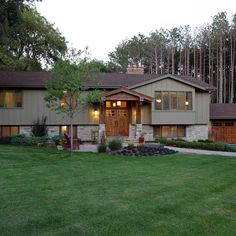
x,y
67,92
29,42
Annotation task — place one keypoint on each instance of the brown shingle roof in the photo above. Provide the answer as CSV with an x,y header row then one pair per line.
x,y
222,111
26,79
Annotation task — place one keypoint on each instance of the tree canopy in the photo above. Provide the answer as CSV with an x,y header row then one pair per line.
x,y
28,40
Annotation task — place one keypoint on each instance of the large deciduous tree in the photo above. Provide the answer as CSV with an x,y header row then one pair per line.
x,y
28,41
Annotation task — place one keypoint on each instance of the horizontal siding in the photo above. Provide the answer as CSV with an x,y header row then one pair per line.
x,y
171,117
34,106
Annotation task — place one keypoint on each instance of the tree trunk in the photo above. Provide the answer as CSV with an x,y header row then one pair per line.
x,y
71,134
173,61
221,72
232,70
156,61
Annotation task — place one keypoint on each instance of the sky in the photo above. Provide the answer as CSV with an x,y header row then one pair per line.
x,y
103,24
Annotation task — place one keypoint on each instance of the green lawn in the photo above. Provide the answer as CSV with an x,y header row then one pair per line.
x,y
47,192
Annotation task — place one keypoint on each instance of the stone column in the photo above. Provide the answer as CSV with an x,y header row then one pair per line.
x,y
101,130
139,126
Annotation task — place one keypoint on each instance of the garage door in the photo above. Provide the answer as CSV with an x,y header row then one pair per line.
x,y
224,131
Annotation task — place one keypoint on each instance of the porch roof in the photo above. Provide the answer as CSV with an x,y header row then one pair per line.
x,y
127,94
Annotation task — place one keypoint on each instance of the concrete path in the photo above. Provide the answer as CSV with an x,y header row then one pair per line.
x,y
200,151
87,148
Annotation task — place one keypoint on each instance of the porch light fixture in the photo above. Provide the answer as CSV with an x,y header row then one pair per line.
x,y
114,104
118,103
158,100
186,103
95,112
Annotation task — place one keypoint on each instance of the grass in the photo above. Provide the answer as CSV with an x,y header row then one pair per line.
x,y
47,192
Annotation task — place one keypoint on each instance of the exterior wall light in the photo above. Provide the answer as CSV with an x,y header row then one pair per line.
x,y
118,103
186,103
95,112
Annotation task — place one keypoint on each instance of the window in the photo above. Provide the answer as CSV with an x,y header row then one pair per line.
x,y
10,98
66,129
173,131
229,123
217,123
6,131
180,101
118,104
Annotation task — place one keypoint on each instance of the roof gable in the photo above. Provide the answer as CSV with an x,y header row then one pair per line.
x,y
126,94
182,79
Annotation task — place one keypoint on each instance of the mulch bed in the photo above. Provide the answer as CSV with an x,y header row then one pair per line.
x,y
144,150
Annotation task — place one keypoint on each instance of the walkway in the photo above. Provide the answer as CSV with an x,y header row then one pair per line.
x,y
200,151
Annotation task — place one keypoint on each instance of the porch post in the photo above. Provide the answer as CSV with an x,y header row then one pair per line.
x,y
101,131
139,126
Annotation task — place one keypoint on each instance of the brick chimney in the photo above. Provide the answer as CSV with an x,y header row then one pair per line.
x,y
135,70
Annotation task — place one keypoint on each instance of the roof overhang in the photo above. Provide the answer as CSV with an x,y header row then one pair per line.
x,y
127,95
169,76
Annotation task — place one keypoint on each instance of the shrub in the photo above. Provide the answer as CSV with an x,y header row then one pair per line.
x,y
102,147
58,139
161,140
230,148
18,139
203,144
115,144
5,140
39,128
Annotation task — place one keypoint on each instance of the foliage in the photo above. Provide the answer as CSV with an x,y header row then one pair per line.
x,y
206,53
68,93
23,39
5,140
101,147
29,141
115,144
57,139
39,127
206,145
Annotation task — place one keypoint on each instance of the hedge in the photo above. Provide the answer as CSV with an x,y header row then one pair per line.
x,y
203,144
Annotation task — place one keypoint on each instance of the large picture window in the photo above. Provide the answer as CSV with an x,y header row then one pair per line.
x,y
179,101
10,98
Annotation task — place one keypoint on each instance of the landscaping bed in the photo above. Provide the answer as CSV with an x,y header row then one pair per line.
x,y
143,150
201,144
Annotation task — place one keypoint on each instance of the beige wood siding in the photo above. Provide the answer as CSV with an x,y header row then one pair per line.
x,y
198,115
34,106
202,107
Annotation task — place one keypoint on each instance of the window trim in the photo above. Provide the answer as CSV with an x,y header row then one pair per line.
x,y
177,99
14,91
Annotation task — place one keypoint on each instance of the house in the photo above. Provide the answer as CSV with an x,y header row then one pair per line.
x,y
222,126
135,103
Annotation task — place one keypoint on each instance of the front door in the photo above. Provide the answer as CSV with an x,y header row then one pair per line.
x,y
117,122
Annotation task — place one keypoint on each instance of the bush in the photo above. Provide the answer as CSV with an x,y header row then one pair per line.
x,y
18,139
115,144
57,139
29,141
102,147
203,144
5,140
39,128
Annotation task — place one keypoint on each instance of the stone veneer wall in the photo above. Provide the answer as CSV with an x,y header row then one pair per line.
x,y
26,130
148,132
196,132
52,130
85,132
